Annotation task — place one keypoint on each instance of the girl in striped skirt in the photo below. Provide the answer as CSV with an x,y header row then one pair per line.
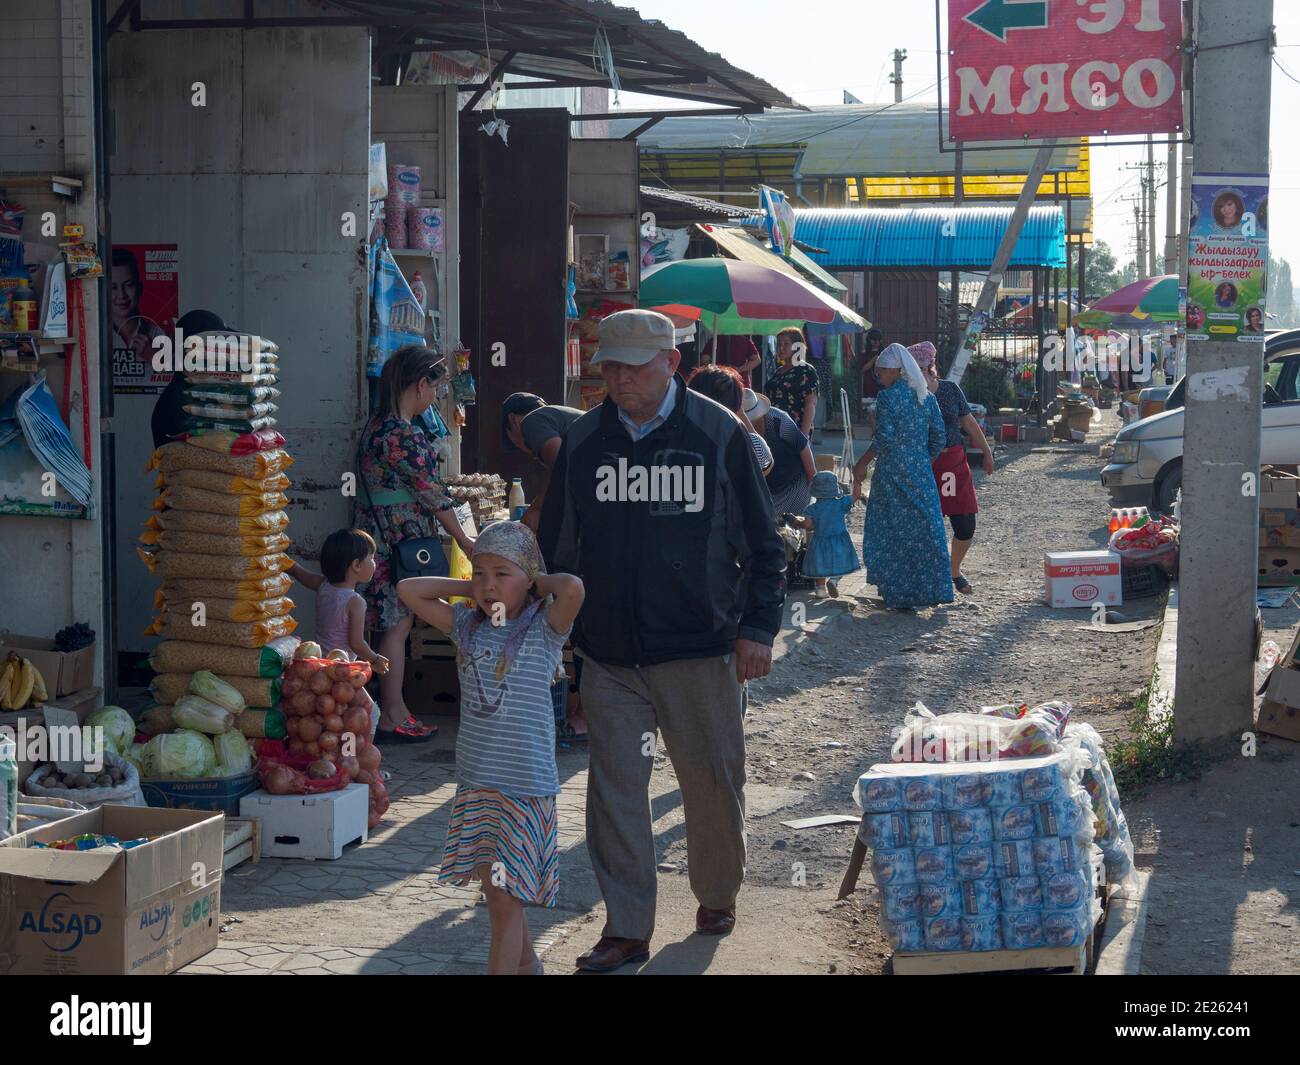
x,y
510,646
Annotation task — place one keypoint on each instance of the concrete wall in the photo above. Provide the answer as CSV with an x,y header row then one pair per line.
x,y
252,188
51,568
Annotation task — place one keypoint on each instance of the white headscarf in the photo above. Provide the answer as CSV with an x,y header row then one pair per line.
x,y
897,357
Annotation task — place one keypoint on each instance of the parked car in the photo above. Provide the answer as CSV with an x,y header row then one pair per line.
x,y
1153,400
1146,465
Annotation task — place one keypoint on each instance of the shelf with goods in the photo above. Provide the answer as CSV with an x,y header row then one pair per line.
x,y
47,474
604,251
58,184
13,345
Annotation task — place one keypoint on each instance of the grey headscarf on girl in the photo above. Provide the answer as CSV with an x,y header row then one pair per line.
x,y
513,541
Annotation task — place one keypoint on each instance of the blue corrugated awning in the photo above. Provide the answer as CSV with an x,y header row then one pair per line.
x,y
929,237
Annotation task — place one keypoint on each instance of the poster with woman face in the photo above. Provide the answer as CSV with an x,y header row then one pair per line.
x,y
1228,257
145,303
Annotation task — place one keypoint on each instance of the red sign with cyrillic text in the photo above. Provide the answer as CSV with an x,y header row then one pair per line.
x,y
1030,69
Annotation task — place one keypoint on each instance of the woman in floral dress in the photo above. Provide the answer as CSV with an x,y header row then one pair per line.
x,y
793,388
904,544
405,500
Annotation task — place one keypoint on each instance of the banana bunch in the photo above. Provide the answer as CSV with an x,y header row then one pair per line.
x,y
21,684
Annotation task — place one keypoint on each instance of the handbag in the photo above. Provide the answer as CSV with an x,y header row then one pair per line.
x,y
420,556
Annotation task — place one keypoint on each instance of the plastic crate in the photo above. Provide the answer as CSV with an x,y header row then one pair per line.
x,y
1142,582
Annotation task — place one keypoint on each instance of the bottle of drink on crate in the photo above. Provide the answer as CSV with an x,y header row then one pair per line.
x,y
516,500
1113,527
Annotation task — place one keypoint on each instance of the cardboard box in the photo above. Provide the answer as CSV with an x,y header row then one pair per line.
x,y
1279,720
431,686
1280,536
112,912
1081,578
64,671
1275,517
1279,566
1283,683
1278,491
81,703
310,826
216,794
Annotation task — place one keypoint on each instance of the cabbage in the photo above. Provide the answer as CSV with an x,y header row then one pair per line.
x,y
216,690
234,755
119,728
197,713
184,753
138,755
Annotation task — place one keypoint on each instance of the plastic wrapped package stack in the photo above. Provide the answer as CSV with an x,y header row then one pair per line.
x,y
1108,818
1014,730
972,856
219,534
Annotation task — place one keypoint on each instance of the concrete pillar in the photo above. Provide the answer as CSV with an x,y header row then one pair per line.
x,y
1213,694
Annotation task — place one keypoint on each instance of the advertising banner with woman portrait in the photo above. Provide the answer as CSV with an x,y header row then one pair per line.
x,y
145,297
1228,257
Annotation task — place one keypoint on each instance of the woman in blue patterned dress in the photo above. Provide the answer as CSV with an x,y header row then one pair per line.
x,y
904,544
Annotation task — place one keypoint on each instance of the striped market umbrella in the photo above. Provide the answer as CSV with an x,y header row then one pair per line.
x,y
736,290
1153,301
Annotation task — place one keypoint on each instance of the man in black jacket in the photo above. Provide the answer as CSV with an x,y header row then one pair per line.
x,y
657,502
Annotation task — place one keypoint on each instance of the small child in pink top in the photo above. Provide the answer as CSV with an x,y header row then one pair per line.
x,y
347,558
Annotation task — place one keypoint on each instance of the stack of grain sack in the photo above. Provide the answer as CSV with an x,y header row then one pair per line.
x,y
219,535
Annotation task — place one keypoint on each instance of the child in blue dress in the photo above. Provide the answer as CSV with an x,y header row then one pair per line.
x,y
831,553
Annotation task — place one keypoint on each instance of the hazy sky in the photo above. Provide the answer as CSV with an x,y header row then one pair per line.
x,y
814,49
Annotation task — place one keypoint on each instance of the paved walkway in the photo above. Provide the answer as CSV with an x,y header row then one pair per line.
x,y
381,909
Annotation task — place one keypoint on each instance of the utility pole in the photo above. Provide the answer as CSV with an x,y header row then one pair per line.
x,y
1139,234
897,78
958,195
1184,223
1214,685
989,292
1151,206
1171,208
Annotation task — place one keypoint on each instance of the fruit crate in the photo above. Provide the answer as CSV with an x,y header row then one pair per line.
x,y
1143,582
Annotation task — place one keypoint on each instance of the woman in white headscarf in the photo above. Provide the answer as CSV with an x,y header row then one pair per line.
x,y
904,544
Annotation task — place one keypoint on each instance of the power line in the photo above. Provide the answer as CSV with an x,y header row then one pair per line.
x,y
1285,71
873,114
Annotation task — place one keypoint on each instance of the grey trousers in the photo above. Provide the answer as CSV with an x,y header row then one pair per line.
x,y
696,706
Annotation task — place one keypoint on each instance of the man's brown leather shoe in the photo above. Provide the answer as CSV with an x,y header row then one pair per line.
x,y
611,953
714,922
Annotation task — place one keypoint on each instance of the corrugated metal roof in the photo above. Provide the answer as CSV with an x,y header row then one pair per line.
x,y
685,204
940,237
741,245
744,244
819,276
555,39
846,141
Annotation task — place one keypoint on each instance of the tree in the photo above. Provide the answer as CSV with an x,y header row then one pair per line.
x,y
1103,276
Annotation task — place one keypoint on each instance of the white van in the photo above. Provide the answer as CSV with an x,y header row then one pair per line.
x,y
1146,466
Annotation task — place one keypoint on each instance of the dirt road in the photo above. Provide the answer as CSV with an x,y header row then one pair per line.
x,y
834,699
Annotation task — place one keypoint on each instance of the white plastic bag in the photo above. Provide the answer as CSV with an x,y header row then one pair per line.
x,y
127,793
